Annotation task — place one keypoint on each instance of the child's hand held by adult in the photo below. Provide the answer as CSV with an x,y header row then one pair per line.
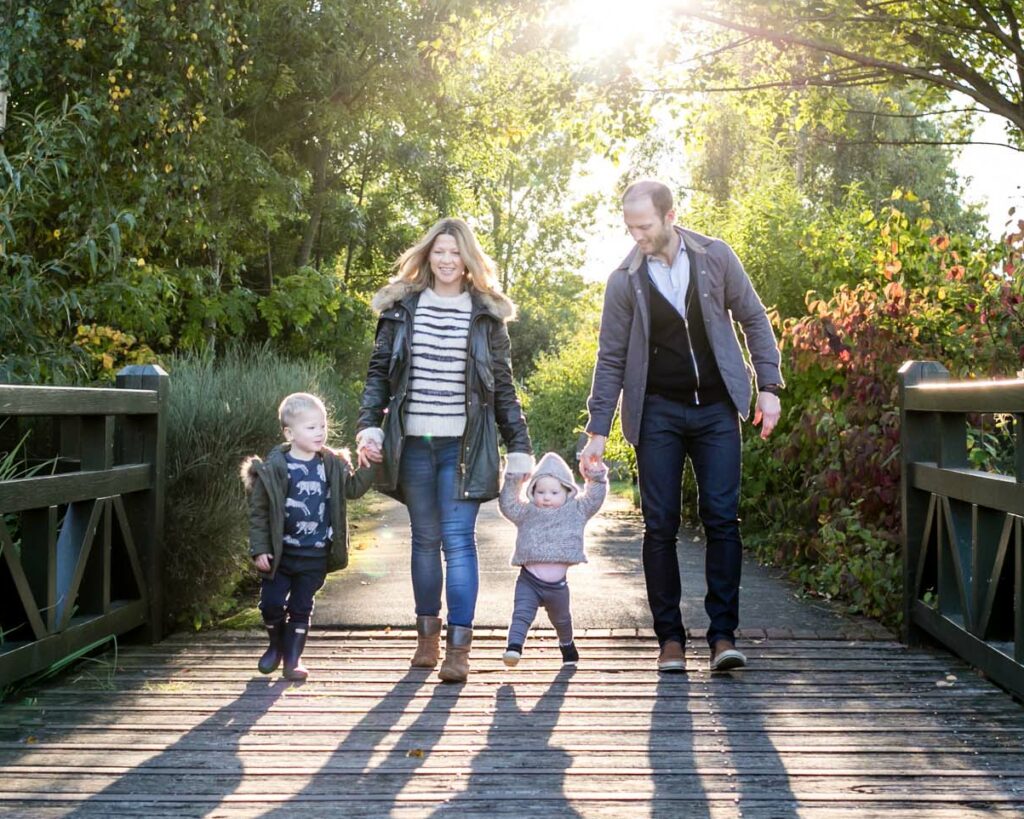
x,y
369,453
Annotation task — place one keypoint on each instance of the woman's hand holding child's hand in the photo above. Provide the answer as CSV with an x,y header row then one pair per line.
x,y
262,562
369,453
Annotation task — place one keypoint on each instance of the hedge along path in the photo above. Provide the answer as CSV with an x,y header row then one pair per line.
x,y
833,718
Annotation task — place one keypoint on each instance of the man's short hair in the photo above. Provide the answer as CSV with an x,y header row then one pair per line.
x,y
659,194
295,404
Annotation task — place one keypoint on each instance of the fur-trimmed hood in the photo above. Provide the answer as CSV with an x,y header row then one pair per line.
x,y
249,471
251,466
497,304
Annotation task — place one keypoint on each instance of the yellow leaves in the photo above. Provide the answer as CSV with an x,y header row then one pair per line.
x,y
194,37
56,233
414,753
190,72
892,268
168,168
140,262
109,348
940,242
77,43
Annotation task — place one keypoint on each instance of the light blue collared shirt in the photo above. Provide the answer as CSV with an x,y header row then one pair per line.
x,y
672,282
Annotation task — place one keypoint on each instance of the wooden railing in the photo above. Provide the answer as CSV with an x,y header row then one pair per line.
x,y
81,538
962,527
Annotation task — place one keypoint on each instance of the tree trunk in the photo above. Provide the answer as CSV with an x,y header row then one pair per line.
x,y
318,199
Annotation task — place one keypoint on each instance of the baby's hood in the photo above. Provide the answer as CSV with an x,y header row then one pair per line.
x,y
553,464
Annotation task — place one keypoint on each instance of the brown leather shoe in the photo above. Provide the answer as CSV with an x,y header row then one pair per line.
x,y
672,657
725,656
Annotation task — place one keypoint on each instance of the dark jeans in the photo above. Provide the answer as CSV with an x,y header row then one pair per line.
x,y
710,436
290,593
441,524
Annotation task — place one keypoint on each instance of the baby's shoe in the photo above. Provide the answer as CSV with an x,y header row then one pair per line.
x,y
512,655
570,656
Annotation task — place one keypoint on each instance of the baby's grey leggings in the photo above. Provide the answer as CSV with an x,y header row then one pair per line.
x,y
531,593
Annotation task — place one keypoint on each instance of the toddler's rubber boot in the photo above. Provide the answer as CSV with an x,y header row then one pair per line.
x,y
271,658
294,643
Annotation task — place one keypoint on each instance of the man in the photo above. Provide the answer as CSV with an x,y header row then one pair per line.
x,y
668,344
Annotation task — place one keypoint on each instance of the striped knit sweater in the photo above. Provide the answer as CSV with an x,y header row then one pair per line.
x,y
436,402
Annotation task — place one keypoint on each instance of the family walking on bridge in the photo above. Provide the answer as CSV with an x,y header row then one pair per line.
x,y
439,393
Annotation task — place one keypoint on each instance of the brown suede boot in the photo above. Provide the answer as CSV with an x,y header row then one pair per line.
x,y
428,642
455,667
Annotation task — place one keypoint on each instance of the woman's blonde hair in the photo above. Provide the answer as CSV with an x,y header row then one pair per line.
x,y
413,266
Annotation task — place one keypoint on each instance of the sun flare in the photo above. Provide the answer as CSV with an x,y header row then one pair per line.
x,y
608,28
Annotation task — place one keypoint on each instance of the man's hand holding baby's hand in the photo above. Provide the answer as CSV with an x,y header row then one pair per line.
x,y
593,468
262,563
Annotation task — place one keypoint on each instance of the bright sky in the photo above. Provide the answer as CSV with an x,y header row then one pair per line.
x,y
994,175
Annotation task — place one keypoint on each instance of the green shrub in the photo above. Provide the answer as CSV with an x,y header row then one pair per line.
x,y
221,410
556,402
822,495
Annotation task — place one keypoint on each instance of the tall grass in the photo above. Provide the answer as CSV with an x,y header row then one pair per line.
x,y
221,410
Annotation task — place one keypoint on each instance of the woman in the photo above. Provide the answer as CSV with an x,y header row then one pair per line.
x,y
438,390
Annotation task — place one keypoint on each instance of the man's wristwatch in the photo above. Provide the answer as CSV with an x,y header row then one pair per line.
x,y
774,389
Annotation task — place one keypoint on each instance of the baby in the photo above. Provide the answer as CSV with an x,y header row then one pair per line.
x,y
549,540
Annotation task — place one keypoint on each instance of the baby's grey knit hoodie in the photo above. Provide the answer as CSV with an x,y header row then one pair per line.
x,y
550,535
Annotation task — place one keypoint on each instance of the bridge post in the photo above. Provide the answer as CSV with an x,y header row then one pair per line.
x,y
920,440
143,440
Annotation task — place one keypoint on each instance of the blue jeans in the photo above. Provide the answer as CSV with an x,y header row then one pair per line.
x,y
710,436
441,524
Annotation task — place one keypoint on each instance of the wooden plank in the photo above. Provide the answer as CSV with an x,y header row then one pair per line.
x,y
12,558
986,489
19,659
966,396
23,400
900,733
999,666
52,490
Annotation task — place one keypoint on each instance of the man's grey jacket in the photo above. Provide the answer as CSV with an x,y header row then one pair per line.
x,y
726,296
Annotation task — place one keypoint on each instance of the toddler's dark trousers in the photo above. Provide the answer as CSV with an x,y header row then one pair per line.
x,y
289,594
531,594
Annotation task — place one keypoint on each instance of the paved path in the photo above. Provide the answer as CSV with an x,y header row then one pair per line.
x,y
607,592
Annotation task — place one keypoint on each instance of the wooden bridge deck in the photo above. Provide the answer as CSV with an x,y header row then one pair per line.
x,y
813,727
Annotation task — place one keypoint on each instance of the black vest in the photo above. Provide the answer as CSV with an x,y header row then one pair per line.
x,y
681,365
